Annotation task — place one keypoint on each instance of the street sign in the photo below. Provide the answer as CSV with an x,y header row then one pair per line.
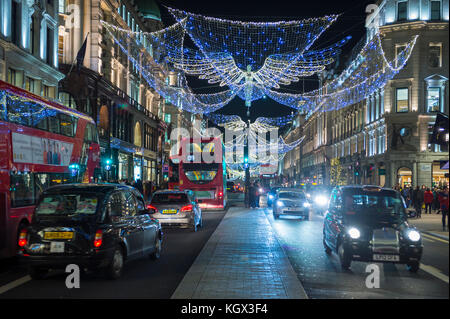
x,y
165,168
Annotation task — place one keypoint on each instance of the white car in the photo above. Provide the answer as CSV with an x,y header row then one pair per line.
x,y
292,202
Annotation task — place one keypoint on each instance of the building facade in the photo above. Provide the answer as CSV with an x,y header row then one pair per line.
x,y
28,45
129,113
385,139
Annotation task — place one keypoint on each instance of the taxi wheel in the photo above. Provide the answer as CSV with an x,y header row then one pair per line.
x,y
115,268
37,273
344,258
413,266
158,247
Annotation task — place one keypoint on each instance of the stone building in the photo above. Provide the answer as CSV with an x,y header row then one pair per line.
x,y
384,140
28,45
129,113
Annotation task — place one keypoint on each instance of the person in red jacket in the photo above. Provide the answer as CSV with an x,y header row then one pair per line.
x,y
428,200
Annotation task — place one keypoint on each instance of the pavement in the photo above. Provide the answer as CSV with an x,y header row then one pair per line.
x,y
431,224
242,259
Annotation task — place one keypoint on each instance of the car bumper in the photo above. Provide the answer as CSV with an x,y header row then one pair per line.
x,y
176,221
362,252
97,259
296,212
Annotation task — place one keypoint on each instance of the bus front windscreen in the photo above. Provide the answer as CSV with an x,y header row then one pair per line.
x,y
200,173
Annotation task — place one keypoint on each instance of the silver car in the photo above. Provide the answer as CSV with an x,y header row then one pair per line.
x,y
176,208
292,202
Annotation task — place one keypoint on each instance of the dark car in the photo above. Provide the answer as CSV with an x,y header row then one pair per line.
x,y
93,226
176,208
369,224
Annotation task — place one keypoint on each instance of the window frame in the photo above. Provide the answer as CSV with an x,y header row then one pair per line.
x,y
397,100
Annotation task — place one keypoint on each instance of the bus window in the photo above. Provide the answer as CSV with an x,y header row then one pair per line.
x,y
18,111
53,123
91,134
88,133
95,134
22,190
66,123
38,116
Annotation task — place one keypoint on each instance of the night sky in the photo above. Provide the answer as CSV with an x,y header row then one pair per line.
x,y
351,22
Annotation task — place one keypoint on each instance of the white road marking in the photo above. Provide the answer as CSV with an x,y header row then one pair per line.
x,y
434,272
14,284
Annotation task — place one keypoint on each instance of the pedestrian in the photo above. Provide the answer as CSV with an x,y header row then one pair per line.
x,y
444,204
251,195
258,194
417,201
428,200
138,185
436,205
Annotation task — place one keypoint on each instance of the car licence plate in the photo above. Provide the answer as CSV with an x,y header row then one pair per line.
x,y
57,247
58,235
169,211
377,257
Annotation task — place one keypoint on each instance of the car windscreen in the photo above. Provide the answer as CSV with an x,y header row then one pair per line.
x,y
170,198
374,206
291,195
67,204
200,173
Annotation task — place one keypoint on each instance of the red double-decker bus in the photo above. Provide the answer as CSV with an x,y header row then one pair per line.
x,y
202,169
42,144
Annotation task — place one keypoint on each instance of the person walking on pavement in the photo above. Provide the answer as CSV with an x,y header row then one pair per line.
x,y
428,200
417,200
436,205
444,203
251,195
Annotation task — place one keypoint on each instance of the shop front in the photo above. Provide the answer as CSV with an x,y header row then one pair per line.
x,y
404,177
440,174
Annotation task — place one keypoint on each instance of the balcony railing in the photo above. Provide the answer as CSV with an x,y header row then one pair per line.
x,y
133,103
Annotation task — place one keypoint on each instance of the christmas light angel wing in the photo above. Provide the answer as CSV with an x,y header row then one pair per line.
x,y
287,68
216,68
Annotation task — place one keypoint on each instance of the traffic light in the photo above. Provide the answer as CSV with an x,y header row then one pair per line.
x,y
370,170
74,169
108,163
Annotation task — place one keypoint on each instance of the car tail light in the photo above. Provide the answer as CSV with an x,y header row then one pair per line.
x,y
98,240
23,238
220,194
151,208
187,208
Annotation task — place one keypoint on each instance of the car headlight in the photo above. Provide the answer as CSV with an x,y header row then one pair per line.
x,y
321,200
308,195
270,196
413,235
280,204
354,233
261,190
305,204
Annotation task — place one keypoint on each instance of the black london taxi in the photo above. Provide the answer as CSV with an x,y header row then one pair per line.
x,y
369,224
95,226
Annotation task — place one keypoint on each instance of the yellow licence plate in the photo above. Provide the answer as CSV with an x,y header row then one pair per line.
x,y
169,211
58,235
